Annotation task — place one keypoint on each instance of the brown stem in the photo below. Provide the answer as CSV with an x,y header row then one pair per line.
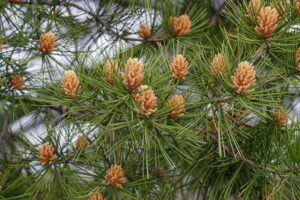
x,y
264,49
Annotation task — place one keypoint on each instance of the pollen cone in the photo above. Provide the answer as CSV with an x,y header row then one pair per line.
x,y
146,99
47,42
176,106
179,67
144,31
267,22
244,78
115,176
46,154
180,26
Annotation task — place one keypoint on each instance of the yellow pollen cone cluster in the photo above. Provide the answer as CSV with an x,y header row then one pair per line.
x,y
47,42
146,99
267,22
96,196
110,69
70,84
115,176
280,118
253,9
218,67
179,67
180,26
144,31
244,78
46,154
16,82
176,106
133,74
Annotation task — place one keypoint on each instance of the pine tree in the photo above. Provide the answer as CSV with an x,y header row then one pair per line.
x,y
126,99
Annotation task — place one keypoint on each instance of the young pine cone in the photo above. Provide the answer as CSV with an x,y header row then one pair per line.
x,y
297,6
253,8
110,69
267,22
115,176
70,84
176,106
180,26
82,143
179,67
47,42
144,31
133,75
15,1
244,78
146,100
96,196
280,118
46,154
218,67
16,82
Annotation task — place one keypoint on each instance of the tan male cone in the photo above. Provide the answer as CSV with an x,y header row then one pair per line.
x,y
47,42
133,74
115,176
46,154
70,84
179,67
267,22
180,26
96,196
16,82
144,31
176,106
244,78
280,117
146,99
218,66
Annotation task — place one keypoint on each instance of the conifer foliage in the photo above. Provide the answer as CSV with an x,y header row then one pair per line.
x,y
109,99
